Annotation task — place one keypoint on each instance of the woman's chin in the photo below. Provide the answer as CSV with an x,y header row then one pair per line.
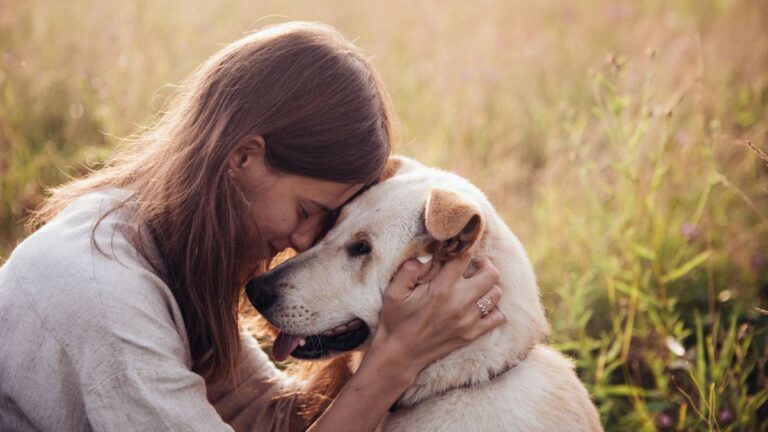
x,y
266,256
283,255
264,253
267,253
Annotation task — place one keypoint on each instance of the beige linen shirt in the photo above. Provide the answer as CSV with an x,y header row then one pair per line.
x,y
95,342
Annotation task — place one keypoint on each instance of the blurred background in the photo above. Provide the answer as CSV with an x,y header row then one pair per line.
x,y
623,141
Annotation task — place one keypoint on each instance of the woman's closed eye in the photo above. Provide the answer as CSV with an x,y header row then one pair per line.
x,y
327,223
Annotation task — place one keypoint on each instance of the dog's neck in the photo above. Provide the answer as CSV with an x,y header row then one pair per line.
x,y
400,405
509,344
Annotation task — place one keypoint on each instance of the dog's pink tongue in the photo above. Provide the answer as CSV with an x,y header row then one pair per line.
x,y
284,345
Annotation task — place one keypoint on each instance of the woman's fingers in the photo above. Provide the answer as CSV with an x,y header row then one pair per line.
x,y
405,278
487,323
451,272
433,320
484,278
489,301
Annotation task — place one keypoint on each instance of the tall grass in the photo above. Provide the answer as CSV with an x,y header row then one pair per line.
x,y
612,135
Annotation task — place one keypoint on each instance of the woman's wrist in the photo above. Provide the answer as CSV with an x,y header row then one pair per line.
x,y
381,379
390,362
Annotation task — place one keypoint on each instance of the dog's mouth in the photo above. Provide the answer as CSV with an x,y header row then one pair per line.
x,y
344,337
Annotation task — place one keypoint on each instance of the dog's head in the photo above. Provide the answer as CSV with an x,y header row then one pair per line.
x,y
328,298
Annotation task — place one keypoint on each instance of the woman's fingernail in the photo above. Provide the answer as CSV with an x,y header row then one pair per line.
x,y
424,258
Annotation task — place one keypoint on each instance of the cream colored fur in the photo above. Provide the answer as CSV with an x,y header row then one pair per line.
x,y
542,393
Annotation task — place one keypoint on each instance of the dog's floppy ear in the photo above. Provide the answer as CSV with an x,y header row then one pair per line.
x,y
454,222
397,165
393,165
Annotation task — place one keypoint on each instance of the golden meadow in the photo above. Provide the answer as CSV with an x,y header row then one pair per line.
x,y
613,136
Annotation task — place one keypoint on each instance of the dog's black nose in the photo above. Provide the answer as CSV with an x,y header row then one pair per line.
x,y
261,292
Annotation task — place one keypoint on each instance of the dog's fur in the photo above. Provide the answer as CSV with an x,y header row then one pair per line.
x,y
420,210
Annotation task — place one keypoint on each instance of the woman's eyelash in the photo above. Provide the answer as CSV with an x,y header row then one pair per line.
x,y
303,213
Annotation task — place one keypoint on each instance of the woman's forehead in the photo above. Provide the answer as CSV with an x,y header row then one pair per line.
x,y
327,195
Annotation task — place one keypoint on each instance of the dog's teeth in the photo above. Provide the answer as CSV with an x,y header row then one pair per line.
x,y
302,342
424,258
331,332
352,325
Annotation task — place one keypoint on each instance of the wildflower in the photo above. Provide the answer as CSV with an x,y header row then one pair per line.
x,y
690,231
726,417
664,421
758,262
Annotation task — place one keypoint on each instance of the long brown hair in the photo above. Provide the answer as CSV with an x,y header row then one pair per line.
x,y
323,113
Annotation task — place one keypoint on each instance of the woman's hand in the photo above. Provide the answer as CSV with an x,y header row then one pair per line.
x,y
420,324
417,325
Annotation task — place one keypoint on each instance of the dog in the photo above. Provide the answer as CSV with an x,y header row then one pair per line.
x,y
326,302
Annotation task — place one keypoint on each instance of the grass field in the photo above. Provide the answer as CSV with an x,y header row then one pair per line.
x,y
623,141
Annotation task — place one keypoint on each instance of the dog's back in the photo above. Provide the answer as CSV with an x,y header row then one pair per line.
x,y
542,393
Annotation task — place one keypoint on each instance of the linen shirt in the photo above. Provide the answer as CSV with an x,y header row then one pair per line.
x,y
96,341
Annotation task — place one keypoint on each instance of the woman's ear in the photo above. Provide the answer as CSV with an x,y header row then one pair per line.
x,y
248,153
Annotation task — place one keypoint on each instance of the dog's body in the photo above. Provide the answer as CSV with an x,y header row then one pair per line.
x,y
505,380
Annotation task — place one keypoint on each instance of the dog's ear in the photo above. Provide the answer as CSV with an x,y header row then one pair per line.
x,y
397,165
390,169
454,222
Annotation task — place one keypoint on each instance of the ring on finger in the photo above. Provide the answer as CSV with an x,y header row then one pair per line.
x,y
485,305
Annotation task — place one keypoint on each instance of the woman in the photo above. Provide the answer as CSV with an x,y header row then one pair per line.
x,y
121,310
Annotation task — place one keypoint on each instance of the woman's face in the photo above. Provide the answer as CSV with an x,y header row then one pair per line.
x,y
285,210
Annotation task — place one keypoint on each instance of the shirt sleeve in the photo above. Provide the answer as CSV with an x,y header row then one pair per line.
x,y
129,347
140,399
140,375
174,398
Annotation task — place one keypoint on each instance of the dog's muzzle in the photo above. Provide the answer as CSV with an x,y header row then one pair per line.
x,y
262,290
263,293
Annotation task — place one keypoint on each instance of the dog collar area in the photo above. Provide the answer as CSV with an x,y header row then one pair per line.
x,y
492,375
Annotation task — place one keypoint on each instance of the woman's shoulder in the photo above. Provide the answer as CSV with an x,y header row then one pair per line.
x,y
85,260
106,307
88,240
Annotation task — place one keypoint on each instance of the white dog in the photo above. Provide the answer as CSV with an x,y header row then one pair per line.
x,y
327,301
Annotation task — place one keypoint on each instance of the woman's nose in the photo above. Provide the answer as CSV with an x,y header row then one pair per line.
x,y
303,237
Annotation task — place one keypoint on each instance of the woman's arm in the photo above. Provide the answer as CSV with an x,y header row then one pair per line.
x,y
259,396
416,327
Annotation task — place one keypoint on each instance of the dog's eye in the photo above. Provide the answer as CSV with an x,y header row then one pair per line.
x,y
359,248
